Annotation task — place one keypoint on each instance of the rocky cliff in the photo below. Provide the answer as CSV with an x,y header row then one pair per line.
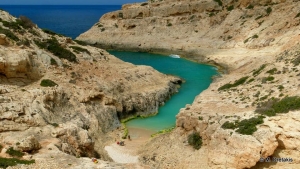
x,y
55,91
200,30
240,116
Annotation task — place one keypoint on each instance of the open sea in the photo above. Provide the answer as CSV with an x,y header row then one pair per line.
x,y
74,20
69,20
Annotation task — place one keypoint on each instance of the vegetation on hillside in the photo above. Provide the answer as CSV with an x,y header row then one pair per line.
x,y
9,34
246,126
48,83
195,140
78,49
14,153
235,84
275,106
53,46
6,162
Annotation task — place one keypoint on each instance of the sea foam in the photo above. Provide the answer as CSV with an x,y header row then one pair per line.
x,y
174,56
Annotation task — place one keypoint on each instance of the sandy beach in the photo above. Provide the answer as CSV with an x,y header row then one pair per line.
x,y
128,152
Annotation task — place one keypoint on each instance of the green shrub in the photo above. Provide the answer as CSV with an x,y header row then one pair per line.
x,y
258,71
121,15
47,83
257,94
9,34
144,4
195,140
298,15
259,23
53,61
248,126
25,22
296,61
169,24
280,87
14,153
54,124
22,21
6,162
264,97
250,80
269,10
274,106
254,36
246,40
80,49
235,84
51,32
11,25
219,2
24,42
250,6
265,79
48,31
229,125
260,16
211,14
192,17
230,8
81,42
54,47
32,31
102,29
168,130
272,71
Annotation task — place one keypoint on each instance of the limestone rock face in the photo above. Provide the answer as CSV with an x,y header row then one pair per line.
x,y
75,141
16,63
3,40
28,144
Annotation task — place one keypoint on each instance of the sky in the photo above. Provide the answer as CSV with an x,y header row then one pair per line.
x,y
67,2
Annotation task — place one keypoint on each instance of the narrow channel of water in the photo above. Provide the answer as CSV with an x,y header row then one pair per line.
x,y
197,76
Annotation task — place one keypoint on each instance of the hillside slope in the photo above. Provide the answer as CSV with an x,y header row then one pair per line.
x,y
64,96
252,112
204,31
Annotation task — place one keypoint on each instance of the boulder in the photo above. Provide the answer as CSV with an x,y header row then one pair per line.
x,y
3,40
28,144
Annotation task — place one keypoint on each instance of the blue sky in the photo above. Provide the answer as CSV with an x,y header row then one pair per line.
x,y
67,2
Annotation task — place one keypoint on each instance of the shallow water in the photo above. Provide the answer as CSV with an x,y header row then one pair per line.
x,y
197,78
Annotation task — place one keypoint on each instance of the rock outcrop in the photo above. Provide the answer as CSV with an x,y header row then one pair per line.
x,y
29,144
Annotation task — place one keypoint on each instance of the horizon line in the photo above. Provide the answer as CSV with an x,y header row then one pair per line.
x,y
63,4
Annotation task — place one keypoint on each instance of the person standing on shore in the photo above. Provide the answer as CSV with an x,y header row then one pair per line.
x,y
129,137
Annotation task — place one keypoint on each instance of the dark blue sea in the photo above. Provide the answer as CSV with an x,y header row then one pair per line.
x,y
69,20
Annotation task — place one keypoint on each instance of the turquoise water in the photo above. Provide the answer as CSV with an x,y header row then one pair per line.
x,y
197,78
